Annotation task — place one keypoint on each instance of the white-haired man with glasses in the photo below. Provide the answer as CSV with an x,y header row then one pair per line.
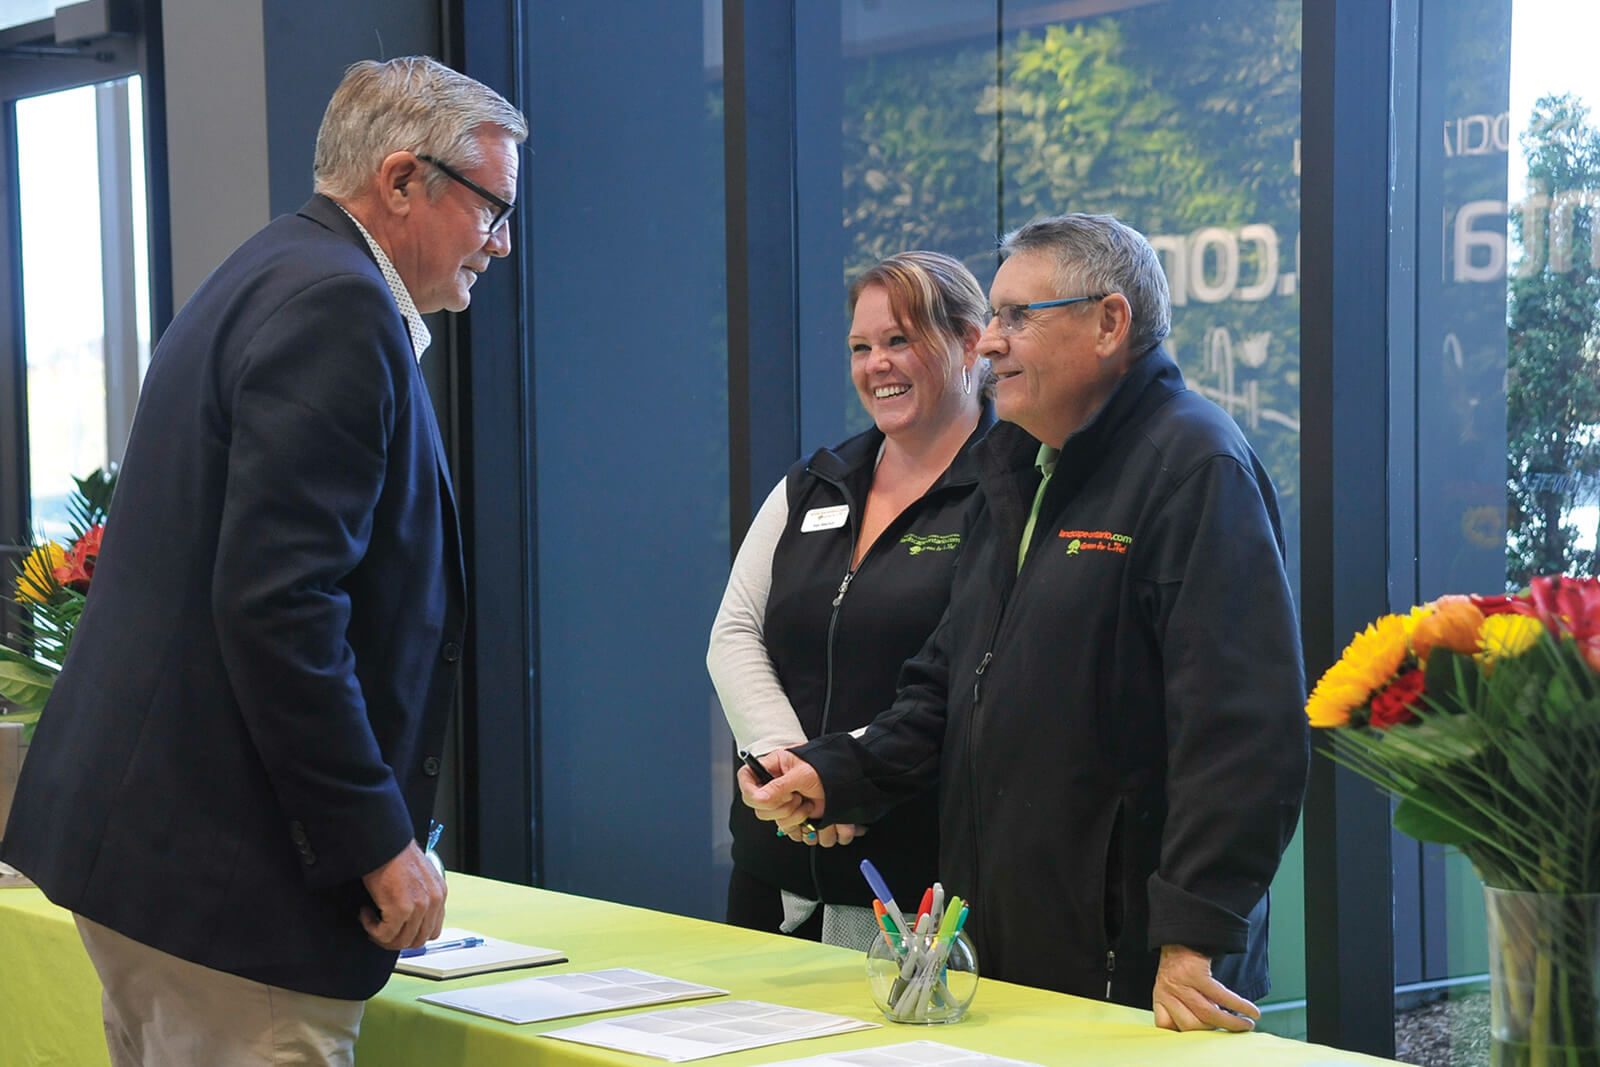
x,y
238,762
1112,703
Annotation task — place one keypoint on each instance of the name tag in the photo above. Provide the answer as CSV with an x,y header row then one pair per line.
x,y
825,518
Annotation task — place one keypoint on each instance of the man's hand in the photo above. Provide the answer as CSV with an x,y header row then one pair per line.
x,y
1187,997
793,797
410,896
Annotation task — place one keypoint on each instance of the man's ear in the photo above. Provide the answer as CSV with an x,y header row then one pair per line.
x,y
1116,320
400,182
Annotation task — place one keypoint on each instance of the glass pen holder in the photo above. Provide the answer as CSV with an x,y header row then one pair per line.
x,y
922,978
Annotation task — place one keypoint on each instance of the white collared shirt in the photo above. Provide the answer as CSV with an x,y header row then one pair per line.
x,y
420,337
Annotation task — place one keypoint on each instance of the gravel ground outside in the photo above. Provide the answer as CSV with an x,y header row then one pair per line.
x,y
1452,1032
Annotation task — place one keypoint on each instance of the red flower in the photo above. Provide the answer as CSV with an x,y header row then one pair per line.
x,y
77,569
1392,705
1497,605
1569,606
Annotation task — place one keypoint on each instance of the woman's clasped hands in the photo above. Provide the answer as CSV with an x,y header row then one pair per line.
x,y
793,801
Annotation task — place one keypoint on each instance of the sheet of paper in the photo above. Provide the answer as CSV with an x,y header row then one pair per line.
x,y
556,996
909,1054
693,1033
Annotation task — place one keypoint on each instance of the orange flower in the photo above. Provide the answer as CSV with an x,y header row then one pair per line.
x,y
1370,661
36,582
1450,622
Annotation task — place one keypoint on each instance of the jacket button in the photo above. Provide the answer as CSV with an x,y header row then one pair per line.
x,y
451,652
430,766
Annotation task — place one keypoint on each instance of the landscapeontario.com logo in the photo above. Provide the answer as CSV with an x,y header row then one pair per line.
x,y
1095,541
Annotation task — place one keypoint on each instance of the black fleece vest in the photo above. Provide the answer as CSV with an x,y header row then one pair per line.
x,y
838,662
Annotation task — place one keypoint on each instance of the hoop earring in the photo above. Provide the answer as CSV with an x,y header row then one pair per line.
x,y
966,381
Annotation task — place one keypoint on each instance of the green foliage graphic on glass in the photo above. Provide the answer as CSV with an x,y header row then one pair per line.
x,y
1181,119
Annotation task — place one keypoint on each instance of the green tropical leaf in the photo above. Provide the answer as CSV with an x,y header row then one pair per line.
x,y
24,681
1451,681
1427,816
1438,739
89,503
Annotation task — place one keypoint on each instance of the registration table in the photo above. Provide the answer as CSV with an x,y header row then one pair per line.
x,y
50,998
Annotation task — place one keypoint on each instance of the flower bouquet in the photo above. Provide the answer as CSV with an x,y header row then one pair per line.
x,y
1481,715
48,597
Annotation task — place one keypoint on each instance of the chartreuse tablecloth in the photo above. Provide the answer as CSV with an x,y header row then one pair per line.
x,y
50,998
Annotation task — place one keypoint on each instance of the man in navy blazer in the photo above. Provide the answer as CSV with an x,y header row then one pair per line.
x,y
233,772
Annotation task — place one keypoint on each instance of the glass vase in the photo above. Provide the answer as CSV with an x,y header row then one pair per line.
x,y
1544,978
922,978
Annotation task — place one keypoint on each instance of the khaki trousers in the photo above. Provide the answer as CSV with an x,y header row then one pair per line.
x,y
160,1010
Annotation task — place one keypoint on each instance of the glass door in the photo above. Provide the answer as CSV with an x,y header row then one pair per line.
x,y
76,98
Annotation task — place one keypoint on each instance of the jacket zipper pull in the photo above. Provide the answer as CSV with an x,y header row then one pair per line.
x,y
987,656
843,586
1111,967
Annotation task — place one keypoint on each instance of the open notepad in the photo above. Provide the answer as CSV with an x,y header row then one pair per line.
x,y
492,955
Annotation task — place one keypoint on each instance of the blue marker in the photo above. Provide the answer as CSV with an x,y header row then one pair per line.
x,y
881,891
441,946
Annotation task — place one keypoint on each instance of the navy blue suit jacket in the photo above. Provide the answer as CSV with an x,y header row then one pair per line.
x,y
253,709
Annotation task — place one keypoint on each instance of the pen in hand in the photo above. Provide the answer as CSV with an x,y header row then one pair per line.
x,y
441,946
764,776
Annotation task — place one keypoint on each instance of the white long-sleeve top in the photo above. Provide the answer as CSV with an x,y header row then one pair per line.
x,y
756,706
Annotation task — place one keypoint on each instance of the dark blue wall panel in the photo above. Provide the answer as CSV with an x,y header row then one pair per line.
x,y
628,310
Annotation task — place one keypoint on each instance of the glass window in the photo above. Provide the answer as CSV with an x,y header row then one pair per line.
x,y
81,147
141,221
22,12
63,307
1507,393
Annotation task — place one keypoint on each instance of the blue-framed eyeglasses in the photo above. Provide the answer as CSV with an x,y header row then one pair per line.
x,y
1014,317
502,208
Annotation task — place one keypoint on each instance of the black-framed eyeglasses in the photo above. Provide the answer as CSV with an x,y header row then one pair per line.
x,y
502,209
1014,317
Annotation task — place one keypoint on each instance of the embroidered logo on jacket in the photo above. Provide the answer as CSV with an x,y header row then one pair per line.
x,y
1095,541
920,543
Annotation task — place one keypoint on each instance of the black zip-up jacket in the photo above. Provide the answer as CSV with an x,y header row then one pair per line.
x,y
837,648
1117,730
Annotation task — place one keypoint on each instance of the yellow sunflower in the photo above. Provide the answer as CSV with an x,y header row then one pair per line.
x,y
1370,661
36,582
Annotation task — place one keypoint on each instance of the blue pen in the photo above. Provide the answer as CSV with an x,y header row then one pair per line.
x,y
881,891
435,829
441,946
